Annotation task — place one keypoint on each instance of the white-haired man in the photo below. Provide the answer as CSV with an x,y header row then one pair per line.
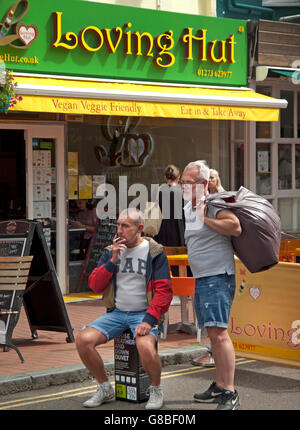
x,y
211,258
133,274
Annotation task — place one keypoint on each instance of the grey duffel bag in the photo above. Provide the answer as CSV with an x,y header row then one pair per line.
x,y
259,243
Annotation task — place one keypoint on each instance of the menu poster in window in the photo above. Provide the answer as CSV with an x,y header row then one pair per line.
x,y
41,210
73,187
262,161
97,181
42,192
41,158
85,187
42,175
72,163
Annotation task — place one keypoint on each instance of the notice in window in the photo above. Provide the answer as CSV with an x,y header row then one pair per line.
x,y
262,161
85,187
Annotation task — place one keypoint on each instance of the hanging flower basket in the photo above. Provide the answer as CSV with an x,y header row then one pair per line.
x,y
8,97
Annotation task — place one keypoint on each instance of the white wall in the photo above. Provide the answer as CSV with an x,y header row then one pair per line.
x,y
197,7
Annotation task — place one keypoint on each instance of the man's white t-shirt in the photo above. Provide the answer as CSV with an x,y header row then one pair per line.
x,y
131,279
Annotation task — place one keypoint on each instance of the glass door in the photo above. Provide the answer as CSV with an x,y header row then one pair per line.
x,y
46,191
34,158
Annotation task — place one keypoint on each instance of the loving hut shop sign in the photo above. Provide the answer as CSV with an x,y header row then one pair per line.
x,y
77,37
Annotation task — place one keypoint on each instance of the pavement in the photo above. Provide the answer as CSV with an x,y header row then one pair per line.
x,y
51,360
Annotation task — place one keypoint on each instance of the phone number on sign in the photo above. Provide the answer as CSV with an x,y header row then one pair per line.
x,y
210,73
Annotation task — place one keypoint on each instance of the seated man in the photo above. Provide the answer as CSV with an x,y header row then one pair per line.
x,y
133,274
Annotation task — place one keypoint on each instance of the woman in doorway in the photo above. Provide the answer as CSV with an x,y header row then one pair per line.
x,y
171,205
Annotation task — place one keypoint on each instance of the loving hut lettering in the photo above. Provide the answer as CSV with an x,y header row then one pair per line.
x,y
267,332
134,43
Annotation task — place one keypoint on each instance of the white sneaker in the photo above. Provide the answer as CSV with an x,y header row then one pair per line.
x,y
104,393
156,398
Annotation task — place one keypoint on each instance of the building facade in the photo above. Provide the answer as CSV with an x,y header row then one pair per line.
x,y
271,150
120,92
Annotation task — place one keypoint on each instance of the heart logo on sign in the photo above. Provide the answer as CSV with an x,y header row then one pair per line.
x,y
27,33
136,148
255,292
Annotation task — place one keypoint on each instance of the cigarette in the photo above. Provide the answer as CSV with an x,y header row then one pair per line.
x,y
116,239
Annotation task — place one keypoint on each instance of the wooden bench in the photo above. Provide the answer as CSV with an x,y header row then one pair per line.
x,y
14,273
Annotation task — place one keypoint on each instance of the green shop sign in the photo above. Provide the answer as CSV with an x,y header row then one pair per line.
x,y
84,38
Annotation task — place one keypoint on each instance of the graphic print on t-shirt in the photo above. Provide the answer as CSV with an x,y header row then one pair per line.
x,y
131,278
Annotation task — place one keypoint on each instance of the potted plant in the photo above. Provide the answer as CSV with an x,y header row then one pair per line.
x,y
8,97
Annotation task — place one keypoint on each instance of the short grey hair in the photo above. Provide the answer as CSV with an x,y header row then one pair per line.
x,y
201,166
134,214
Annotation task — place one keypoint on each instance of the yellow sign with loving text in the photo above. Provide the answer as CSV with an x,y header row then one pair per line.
x,y
265,317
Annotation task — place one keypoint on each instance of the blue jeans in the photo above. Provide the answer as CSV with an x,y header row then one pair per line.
x,y
114,323
213,299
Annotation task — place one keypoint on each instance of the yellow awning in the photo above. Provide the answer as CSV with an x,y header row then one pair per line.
x,y
94,97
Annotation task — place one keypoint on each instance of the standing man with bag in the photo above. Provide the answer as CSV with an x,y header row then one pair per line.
x,y
210,253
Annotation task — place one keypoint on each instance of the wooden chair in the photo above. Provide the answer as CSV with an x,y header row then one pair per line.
x,y
14,273
184,287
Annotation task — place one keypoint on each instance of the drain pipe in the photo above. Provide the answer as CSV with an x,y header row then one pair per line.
x,y
158,4
252,7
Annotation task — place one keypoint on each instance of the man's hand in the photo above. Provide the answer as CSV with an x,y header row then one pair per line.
x,y
143,329
118,245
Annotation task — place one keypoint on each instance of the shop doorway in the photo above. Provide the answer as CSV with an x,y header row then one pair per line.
x,y
19,146
12,174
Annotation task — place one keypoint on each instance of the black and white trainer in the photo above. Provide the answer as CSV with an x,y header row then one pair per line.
x,y
228,401
211,395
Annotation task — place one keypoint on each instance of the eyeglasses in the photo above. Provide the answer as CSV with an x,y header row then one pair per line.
x,y
190,183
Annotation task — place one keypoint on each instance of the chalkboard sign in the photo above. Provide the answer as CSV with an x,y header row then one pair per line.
x,y
11,247
42,298
102,237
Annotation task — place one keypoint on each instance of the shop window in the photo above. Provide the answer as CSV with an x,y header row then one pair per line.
x,y
298,125
284,167
297,166
287,115
239,127
137,149
263,169
285,207
298,214
263,129
44,189
239,149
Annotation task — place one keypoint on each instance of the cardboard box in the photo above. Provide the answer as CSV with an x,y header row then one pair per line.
x,y
131,380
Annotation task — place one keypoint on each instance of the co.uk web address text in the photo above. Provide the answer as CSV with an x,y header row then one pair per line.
x,y
18,59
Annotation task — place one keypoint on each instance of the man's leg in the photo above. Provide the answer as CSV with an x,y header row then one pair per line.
x,y
150,359
224,356
152,365
86,342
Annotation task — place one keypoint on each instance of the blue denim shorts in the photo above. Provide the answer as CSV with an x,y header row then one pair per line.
x,y
114,323
213,299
